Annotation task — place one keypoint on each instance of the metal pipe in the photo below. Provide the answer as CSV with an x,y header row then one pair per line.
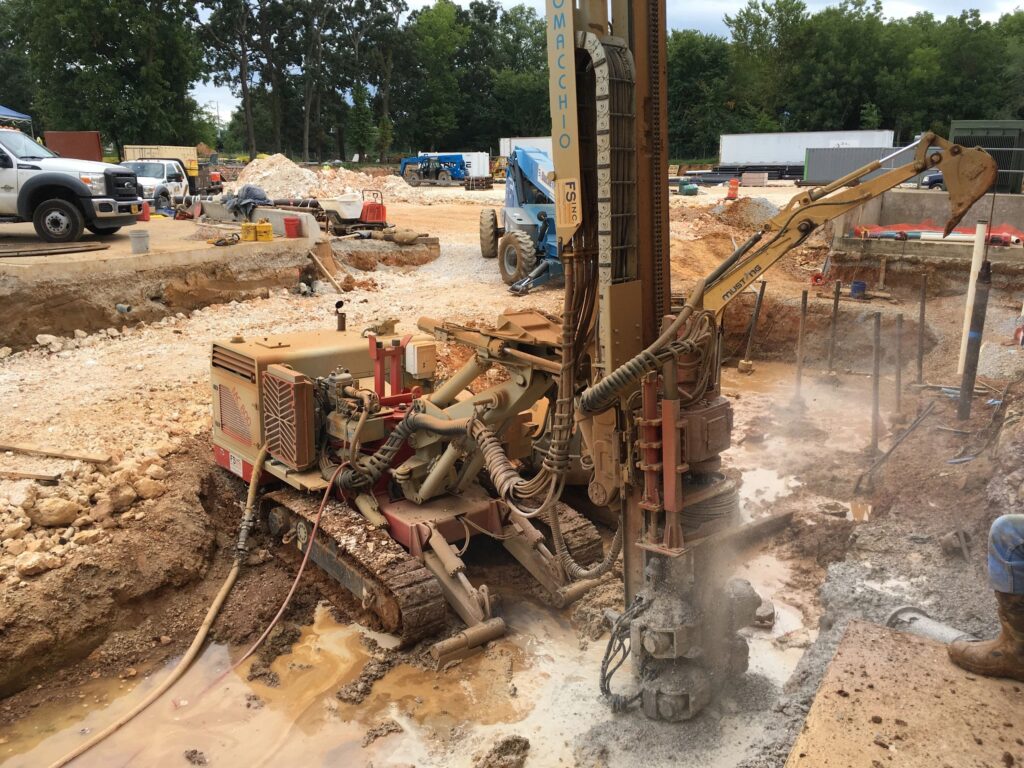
x,y
920,330
434,481
899,362
445,394
746,365
976,258
915,621
977,327
876,372
800,343
834,326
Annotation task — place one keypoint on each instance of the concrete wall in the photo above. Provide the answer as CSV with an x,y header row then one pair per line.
x,y
917,206
309,227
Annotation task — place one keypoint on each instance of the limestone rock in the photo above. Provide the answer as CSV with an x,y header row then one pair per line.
x,y
34,563
5,352
14,530
54,511
121,496
156,472
148,488
80,334
14,546
45,339
24,494
91,536
104,508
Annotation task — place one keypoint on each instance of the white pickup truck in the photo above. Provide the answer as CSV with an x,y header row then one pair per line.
x,y
61,196
160,180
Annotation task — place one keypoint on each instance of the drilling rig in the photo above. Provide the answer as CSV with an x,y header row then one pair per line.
x,y
620,396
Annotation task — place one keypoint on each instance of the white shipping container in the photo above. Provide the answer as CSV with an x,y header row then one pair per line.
x,y
505,146
791,148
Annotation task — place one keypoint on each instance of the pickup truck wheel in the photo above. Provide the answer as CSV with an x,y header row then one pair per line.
x,y
517,256
58,221
489,233
101,231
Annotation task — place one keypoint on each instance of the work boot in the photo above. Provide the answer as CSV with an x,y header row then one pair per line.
x,y
1003,656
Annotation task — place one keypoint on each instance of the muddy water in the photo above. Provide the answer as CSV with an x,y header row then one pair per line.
x,y
539,681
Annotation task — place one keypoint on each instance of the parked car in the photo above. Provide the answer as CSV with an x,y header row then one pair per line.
x,y
933,180
61,196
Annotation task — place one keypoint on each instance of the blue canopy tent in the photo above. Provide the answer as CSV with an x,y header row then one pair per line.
x,y
9,115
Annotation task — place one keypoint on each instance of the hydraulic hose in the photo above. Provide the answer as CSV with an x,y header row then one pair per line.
x,y
602,395
197,642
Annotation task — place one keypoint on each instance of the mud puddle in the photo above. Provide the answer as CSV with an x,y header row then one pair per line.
x,y
440,718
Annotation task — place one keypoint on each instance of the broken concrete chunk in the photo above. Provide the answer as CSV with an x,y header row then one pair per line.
x,y
54,512
148,488
764,616
34,563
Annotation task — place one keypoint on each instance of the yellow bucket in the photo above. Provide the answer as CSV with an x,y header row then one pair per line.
x,y
264,230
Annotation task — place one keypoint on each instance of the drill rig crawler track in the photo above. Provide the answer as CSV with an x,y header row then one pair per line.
x,y
364,559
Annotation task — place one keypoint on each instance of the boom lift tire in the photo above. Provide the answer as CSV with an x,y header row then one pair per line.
x,y
518,256
444,176
489,233
413,178
58,221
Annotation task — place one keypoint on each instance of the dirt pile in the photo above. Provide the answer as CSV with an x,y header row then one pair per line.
x,y
279,177
747,212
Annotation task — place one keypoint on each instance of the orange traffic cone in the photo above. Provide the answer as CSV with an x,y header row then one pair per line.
x,y
734,189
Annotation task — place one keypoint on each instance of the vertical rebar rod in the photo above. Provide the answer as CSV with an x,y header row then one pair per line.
x,y
876,372
800,343
899,362
920,329
753,319
977,327
834,326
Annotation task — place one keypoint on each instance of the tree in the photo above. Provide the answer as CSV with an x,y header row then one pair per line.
x,y
123,67
700,104
228,33
15,71
385,135
870,116
360,121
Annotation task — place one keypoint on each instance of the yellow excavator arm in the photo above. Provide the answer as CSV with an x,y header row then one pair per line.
x,y
968,174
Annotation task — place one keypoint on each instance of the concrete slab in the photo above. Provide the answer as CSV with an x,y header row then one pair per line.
x,y
171,244
893,699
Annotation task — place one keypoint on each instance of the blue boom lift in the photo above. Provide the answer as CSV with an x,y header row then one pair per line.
x,y
433,169
525,244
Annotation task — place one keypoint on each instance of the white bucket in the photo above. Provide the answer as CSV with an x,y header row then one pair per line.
x,y
140,240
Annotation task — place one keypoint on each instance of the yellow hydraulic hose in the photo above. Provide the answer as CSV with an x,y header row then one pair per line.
x,y
200,638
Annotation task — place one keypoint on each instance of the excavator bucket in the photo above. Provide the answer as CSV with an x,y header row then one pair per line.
x,y
968,173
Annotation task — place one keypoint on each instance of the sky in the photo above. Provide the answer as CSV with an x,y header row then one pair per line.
x,y
706,16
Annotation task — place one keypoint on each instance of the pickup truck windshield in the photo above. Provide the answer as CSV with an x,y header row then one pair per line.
x,y
22,146
148,170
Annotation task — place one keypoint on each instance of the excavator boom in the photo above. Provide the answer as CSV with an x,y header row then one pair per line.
x,y
968,172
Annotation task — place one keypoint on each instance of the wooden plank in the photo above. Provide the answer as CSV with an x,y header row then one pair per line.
x,y
38,450
45,478
894,699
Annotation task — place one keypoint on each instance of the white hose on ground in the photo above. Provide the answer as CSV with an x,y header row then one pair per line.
x,y
197,642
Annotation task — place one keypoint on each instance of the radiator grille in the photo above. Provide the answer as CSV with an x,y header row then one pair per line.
x,y
288,416
240,365
233,420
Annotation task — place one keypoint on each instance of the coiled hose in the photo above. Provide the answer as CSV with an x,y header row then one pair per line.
x,y
197,643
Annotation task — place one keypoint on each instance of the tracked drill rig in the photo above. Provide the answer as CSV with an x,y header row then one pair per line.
x,y
619,396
